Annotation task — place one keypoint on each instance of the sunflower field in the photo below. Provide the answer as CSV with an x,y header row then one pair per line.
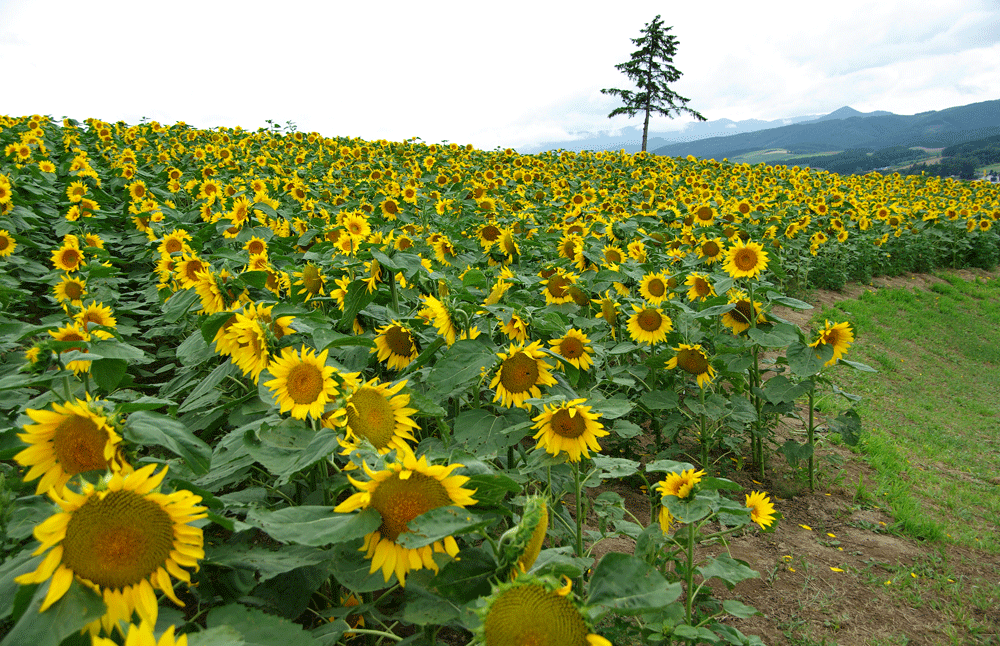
x,y
275,387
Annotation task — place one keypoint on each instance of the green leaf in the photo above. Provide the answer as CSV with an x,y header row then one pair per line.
x,y
629,586
660,400
17,565
218,636
258,628
739,609
148,428
314,525
474,278
256,279
289,593
351,568
611,408
615,467
848,424
626,429
78,607
783,334
779,389
115,349
211,326
460,367
715,484
178,305
467,577
268,563
357,299
793,451
858,365
788,301
484,433
806,361
688,511
438,523
204,393
425,609
108,373
729,570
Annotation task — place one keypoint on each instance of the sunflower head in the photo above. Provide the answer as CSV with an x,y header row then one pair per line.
x,y
693,360
649,325
537,611
522,371
838,336
396,345
745,260
680,484
569,427
521,544
761,508
379,414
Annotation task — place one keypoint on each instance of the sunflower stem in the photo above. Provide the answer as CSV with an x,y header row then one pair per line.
x,y
689,574
377,633
577,490
809,439
393,294
704,429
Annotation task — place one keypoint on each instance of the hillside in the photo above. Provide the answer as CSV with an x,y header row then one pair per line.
x,y
934,129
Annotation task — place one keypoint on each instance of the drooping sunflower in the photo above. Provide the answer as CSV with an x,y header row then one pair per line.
x,y
609,311
649,325
302,383
761,508
745,259
395,345
249,347
7,243
654,288
701,287
521,373
738,320
72,438
839,336
311,279
520,545
680,484
537,611
70,290
402,491
515,329
123,540
96,314
379,413
693,360
67,258
569,427
437,313
574,347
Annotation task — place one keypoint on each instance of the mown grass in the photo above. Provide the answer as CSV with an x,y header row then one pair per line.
x,y
932,412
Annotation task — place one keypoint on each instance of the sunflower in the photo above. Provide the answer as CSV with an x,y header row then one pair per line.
x,y
67,258
357,226
693,360
701,288
680,484
73,333
653,288
649,325
96,314
508,245
711,249
515,329
123,540
395,345
248,345
704,215
390,208
574,347
375,412
761,508
569,427
839,336
302,383
72,438
537,611
522,370
437,314
520,545
7,243
187,269
745,260
142,635
311,279
609,311
738,319
557,287
71,290
402,491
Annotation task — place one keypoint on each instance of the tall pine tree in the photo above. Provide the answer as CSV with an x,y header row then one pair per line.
x,y
651,69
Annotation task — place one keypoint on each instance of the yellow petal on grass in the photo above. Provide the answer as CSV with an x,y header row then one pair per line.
x,y
836,569
805,527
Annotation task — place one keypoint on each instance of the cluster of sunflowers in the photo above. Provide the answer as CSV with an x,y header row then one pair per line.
x,y
275,314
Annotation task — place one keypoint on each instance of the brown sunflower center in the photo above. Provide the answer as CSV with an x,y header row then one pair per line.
x,y
649,320
370,415
557,286
400,501
390,207
701,286
745,259
78,444
311,279
304,383
743,311
73,289
256,247
518,373
191,269
399,341
4,243
692,361
70,257
566,425
656,287
530,614
118,541
571,347
490,233
710,249
612,255
704,213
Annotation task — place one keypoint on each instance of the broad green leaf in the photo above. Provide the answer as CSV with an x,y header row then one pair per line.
x,y
806,361
314,525
258,628
728,569
848,424
688,511
629,586
108,373
353,570
218,636
460,367
780,336
714,484
289,593
739,609
17,565
660,400
178,305
212,324
626,429
670,466
780,389
425,609
483,433
788,301
204,393
194,351
615,467
146,427
78,607
467,577
268,563
863,367
611,408
356,299
793,451
115,349
438,523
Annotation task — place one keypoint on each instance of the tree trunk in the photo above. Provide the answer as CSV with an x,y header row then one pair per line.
x,y
645,129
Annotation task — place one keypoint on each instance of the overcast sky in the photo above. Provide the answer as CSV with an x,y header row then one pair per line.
x,y
512,73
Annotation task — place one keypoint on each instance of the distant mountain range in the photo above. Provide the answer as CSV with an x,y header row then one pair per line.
x,y
842,129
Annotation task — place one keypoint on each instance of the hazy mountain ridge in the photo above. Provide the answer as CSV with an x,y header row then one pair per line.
x,y
933,129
